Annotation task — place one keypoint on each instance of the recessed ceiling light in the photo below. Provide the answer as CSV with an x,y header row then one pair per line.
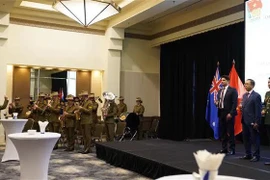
x,y
84,70
48,68
73,69
61,69
36,67
22,66
34,5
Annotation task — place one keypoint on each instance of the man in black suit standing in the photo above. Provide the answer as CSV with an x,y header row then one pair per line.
x,y
227,103
251,119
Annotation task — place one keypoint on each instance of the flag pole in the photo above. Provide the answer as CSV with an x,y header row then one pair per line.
x,y
233,61
218,63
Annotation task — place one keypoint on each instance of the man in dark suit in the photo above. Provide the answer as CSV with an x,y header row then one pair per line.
x,y
251,119
227,103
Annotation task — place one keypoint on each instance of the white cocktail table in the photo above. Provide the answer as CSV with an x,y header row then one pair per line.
x,y
190,177
34,153
11,126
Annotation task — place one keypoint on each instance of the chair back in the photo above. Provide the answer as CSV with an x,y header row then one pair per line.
x,y
154,125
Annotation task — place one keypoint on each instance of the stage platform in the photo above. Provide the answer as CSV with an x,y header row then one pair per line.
x,y
156,158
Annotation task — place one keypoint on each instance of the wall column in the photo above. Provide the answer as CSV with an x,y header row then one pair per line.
x,y
115,37
4,23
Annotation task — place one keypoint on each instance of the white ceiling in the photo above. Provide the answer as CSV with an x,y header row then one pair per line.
x,y
140,19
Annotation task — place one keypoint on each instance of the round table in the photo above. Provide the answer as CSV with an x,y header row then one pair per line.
x,y
190,177
34,152
11,126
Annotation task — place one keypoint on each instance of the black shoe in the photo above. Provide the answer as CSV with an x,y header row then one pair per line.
x,y
87,151
248,157
231,153
267,163
223,151
255,159
69,149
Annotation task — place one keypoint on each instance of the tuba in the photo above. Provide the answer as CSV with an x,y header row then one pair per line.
x,y
108,96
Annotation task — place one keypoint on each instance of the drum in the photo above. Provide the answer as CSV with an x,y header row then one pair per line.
x,y
123,116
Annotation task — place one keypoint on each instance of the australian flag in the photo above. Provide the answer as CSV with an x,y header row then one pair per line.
x,y
211,114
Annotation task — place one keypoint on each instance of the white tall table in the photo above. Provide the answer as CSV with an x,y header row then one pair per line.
x,y
190,177
11,126
34,152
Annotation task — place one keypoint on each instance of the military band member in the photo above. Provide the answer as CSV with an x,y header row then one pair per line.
x,y
16,107
30,116
109,112
54,113
69,121
40,108
77,103
4,106
139,110
94,105
86,111
122,107
266,114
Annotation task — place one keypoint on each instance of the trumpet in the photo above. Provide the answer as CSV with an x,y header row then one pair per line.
x,y
61,118
77,115
49,104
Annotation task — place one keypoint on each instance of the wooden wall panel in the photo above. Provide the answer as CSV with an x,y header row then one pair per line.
x,y
83,81
21,85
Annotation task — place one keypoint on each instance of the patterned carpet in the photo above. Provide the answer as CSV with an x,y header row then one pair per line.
x,y
71,166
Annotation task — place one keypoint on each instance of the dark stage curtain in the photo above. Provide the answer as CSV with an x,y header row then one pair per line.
x,y
187,67
57,84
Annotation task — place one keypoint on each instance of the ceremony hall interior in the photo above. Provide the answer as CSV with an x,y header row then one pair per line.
x,y
158,57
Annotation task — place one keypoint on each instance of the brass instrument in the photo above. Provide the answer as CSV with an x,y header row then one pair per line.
x,y
77,111
49,104
108,96
62,120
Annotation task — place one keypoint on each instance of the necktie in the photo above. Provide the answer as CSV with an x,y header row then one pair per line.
x,y
221,98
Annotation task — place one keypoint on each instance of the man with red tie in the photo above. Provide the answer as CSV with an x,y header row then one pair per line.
x,y
251,119
227,103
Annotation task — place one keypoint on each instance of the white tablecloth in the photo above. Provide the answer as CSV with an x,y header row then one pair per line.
x,y
11,126
34,152
189,177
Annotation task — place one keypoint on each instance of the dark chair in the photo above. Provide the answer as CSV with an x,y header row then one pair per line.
x,y
154,127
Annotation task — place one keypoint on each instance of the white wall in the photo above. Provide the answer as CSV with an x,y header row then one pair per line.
x,y
46,47
140,75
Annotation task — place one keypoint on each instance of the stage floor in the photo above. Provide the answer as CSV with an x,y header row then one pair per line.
x,y
156,158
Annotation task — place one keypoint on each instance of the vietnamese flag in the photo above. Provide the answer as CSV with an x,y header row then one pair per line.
x,y
238,85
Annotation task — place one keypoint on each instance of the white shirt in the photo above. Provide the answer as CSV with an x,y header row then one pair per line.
x,y
249,92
